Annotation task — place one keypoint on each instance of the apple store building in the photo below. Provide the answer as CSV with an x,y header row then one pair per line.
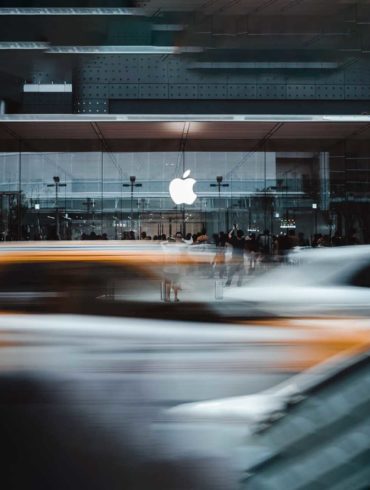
x,y
153,192
63,180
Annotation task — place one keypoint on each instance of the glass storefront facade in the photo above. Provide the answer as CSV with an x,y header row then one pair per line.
x,y
70,195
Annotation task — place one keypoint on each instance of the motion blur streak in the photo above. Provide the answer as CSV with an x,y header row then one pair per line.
x,y
109,379
323,338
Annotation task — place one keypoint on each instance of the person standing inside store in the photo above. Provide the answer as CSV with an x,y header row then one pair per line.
x,y
237,240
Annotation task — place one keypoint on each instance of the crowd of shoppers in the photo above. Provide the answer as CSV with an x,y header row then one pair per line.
x,y
94,236
235,253
265,244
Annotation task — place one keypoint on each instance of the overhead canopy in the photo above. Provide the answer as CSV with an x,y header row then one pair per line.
x,y
190,133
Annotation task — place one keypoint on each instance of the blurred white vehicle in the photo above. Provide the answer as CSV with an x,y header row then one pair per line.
x,y
317,281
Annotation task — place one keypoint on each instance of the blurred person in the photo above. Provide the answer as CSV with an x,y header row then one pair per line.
x,y
219,263
237,241
292,239
275,247
265,243
214,260
188,239
287,242
172,272
302,241
251,246
324,241
283,246
337,240
202,237
316,240
264,247
353,237
52,235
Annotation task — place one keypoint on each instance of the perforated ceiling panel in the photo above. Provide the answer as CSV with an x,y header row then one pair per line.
x,y
100,79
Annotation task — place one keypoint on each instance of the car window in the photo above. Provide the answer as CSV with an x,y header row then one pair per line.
x,y
28,277
67,277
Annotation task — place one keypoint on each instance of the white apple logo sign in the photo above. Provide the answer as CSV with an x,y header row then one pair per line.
x,y
181,190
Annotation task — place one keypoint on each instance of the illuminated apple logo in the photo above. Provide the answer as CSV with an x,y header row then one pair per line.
x,y
181,190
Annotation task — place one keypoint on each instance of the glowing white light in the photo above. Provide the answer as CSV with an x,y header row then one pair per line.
x,y
181,190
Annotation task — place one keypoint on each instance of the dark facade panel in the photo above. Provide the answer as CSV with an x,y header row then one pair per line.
x,y
276,57
216,106
48,103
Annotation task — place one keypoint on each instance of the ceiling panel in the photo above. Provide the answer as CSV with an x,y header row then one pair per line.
x,y
52,130
229,130
317,130
141,130
171,135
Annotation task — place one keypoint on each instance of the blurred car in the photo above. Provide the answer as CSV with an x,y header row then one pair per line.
x,y
82,398
311,431
85,401
121,279
328,281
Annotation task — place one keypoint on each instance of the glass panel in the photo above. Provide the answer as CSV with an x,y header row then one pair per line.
x,y
118,195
